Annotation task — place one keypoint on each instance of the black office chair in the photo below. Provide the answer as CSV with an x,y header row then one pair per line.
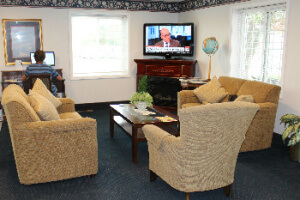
x,y
45,78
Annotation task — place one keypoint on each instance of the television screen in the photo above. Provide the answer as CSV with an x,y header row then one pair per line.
x,y
49,58
169,39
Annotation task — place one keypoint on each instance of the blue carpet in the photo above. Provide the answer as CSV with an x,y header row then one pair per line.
x,y
260,175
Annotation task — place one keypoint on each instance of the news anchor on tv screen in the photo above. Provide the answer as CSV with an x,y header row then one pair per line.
x,y
166,39
163,39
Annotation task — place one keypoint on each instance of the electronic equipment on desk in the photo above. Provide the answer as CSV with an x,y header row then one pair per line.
x,y
181,43
49,58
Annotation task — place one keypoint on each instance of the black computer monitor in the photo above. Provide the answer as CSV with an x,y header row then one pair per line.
x,y
49,58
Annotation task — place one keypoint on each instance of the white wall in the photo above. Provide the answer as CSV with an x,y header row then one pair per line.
x,y
290,101
216,21
55,30
211,22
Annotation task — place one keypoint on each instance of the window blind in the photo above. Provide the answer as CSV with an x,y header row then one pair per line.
x,y
99,46
258,42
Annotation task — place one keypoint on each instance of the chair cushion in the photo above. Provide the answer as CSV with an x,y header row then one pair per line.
x,y
43,107
211,92
40,88
246,98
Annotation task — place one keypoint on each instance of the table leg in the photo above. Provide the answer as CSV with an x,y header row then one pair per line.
x,y
134,144
111,123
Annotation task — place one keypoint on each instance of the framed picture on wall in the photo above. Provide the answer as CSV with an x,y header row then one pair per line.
x,y
21,36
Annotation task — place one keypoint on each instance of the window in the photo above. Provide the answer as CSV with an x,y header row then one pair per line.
x,y
258,43
99,46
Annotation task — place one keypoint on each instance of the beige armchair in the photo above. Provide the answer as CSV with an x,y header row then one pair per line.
x,y
47,151
204,156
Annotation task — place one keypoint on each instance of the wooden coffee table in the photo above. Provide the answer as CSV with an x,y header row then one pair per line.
x,y
131,122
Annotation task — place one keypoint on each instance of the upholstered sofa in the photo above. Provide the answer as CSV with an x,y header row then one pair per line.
x,y
54,150
260,133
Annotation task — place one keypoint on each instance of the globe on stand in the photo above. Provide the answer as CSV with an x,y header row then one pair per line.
x,y
210,46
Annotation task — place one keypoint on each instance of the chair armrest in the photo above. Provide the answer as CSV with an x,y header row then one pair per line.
x,y
260,132
158,137
266,114
68,105
186,96
56,126
267,105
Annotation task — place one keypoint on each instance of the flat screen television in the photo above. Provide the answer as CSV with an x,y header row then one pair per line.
x,y
49,58
168,39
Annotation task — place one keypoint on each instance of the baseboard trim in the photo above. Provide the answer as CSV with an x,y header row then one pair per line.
x,y
96,105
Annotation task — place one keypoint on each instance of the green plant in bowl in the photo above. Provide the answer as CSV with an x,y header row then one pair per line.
x,y
142,95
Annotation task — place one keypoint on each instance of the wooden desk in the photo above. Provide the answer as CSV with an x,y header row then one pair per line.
x,y
15,77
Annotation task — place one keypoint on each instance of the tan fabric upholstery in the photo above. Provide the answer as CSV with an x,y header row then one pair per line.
x,y
43,107
262,92
67,105
260,133
17,88
191,104
70,115
40,88
247,98
204,156
13,98
231,85
211,92
47,151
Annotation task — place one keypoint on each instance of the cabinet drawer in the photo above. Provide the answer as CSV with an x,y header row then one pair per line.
x,y
171,71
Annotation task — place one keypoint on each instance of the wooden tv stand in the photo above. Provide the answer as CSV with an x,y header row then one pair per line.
x,y
165,68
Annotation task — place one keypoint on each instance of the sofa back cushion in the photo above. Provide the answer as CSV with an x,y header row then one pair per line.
x,y
261,92
40,88
43,107
211,92
231,85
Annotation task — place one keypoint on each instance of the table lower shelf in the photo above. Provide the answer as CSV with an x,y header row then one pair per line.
x,y
127,127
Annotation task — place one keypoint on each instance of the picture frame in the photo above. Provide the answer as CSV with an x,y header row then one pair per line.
x,y
21,36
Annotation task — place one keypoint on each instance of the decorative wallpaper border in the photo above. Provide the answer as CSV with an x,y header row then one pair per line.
x,y
136,5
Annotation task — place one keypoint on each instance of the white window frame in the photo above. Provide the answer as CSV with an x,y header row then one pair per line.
x,y
235,36
126,50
